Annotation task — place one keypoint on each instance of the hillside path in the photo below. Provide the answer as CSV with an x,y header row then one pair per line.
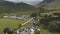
x,y
28,21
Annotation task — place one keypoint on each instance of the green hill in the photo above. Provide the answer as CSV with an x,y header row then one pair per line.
x,y
50,4
10,7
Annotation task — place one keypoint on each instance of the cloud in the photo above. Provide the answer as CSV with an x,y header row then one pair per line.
x,y
31,2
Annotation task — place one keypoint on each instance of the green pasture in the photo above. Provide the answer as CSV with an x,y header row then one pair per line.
x,y
10,23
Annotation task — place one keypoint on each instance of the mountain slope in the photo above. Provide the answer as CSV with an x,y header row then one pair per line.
x,y
50,4
7,6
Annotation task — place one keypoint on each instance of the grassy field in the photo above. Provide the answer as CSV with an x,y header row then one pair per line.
x,y
10,23
13,23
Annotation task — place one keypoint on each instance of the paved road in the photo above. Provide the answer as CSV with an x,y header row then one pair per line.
x,y
28,21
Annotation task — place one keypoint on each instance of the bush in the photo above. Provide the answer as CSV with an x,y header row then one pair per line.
x,y
52,27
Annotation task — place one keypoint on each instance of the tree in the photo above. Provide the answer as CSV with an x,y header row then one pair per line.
x,y
52,27
34,14
37,32
7,30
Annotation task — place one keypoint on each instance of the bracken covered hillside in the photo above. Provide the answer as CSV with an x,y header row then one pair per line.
x,y
50,4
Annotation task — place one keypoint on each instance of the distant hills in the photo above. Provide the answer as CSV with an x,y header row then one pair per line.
x,y
6,6
50,4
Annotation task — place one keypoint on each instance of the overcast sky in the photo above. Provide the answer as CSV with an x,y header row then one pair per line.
x,y
31,2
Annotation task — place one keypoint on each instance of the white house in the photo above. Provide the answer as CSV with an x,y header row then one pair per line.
x,y
28,30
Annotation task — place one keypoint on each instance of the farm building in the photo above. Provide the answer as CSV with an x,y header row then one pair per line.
x,y
16,16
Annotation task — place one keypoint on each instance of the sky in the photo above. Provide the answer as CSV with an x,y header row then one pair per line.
x,y
31,2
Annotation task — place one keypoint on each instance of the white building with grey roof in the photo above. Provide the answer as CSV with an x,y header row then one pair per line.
x,y
16,16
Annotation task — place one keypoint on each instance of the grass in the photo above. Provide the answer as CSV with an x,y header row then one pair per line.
x,y
10,23
18,12
45,31
13,23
